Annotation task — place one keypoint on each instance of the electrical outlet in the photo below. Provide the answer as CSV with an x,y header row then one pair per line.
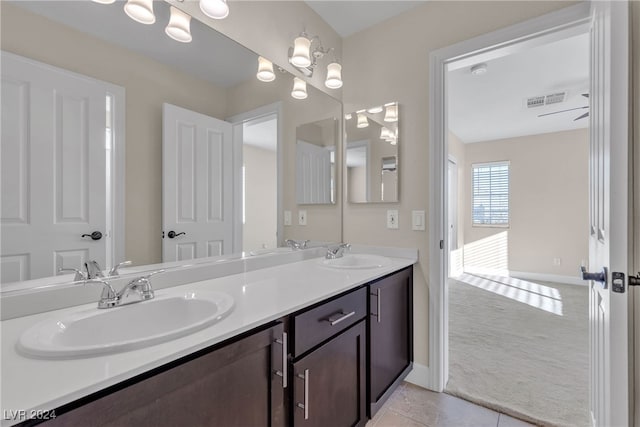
x,y
557,261
302,217
392,219
417,220
287,217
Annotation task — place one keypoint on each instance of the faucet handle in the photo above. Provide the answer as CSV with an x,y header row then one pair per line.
x,y
153,273
114,270
109,296
79,274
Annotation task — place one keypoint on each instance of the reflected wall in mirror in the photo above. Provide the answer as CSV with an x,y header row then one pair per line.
x,y
372,154
141,70
315,162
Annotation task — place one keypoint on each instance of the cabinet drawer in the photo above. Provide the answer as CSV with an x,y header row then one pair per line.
x,y
320,323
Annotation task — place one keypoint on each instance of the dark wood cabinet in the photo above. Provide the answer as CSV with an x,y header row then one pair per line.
x,y
235,385
390,335
329,384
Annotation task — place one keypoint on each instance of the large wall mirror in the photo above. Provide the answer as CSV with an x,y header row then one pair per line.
x,y
146,149
372,154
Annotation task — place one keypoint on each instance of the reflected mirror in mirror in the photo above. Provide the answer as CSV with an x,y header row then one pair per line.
x,y
198,121
315,162
372,154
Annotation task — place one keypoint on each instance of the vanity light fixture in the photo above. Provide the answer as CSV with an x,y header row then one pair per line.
x,y
140,11
265,70
334,76
216,9
104,1
391,113
375,110
179,27
385,133
363,121
299,88
301,56
348,116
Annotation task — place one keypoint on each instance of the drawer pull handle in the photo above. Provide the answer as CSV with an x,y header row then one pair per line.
x,y
379,303
305,405
283,373
334,319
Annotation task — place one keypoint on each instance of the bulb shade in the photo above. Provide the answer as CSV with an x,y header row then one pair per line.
x,y
375,110
347,116
334,76
299,88
140,11
301,52
391,115
265,70
385,133
363,122
216,9
104,1
179,27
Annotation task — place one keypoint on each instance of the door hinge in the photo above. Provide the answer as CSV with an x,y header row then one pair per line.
x,y
441,244
634,280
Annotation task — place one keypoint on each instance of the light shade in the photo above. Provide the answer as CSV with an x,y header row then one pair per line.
x,y
385,133
363,122
299,88
265,70
301,52
334,76
391,115
347,116
375,110
216,9
104,1
179,27
140,11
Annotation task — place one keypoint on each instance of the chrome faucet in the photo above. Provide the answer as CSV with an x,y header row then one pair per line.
x,y
80,276
114,270
334,252
137,290
295,244
93,270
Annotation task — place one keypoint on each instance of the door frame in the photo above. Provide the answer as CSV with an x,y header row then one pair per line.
x,y
560,24
452,163
236,122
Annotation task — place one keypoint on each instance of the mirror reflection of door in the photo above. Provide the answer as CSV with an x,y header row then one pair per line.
x,y
358,178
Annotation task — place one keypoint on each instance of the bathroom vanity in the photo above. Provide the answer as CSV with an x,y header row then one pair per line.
x,y
305,345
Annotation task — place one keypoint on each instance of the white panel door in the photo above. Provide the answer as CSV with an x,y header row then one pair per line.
x,y
197,185
313,174
608,238
53,169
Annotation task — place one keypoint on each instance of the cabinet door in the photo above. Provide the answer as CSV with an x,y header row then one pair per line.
x,y
391,334
329,384
235,385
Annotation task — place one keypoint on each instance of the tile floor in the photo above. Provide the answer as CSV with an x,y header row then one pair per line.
x,y
412,406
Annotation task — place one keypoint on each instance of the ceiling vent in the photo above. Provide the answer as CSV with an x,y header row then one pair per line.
x,y
553,98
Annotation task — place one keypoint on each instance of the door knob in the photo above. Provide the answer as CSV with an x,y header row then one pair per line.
x,y
173,234
96,235
600,277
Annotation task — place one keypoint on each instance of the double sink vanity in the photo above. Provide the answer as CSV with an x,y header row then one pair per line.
x,y
290,338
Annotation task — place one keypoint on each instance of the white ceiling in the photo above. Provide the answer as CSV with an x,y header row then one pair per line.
x,y
261,133
110,23
493,105
349,17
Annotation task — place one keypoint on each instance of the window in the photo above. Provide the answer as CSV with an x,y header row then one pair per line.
x,y
490,202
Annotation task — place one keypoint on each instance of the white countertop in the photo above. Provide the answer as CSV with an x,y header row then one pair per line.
x,y
261,296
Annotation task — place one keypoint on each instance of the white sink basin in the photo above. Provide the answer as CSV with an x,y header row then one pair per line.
x,y
356,261
90,332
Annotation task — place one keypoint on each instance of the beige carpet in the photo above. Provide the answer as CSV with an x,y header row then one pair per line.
x,y
520,347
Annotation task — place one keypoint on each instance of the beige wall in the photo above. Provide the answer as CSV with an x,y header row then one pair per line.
x,y
548,204
261,210
147,84
390,61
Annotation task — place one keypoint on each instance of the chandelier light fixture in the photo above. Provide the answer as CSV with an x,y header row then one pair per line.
x,y
140,11
179,27
216,9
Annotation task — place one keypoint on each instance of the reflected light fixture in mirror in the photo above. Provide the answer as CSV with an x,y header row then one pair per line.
x,y
299,88
140,11
216,9
265,70
179,27
391,115
301,52
104,1
334,76
348,116
375,110
363,122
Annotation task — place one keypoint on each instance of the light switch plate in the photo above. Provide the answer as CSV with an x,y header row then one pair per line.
x,y
302,217
287,217
417,220
392,219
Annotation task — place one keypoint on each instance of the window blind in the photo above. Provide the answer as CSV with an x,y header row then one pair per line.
x,y
491,194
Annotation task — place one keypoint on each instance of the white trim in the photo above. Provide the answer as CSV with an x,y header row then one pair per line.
x,y
555,25
237,121
419,376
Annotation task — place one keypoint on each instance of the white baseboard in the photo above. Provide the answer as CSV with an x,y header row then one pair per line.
x,y
557,278
419,376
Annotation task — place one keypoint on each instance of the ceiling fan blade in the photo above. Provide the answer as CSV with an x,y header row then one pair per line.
x,y
582,116
563,111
